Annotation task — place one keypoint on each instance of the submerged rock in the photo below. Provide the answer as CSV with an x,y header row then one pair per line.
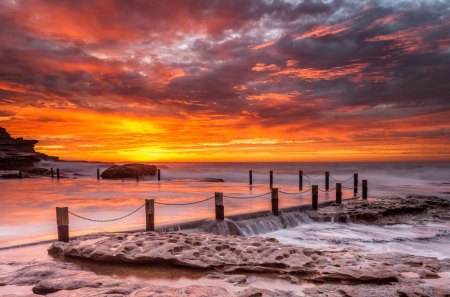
x,y
129,171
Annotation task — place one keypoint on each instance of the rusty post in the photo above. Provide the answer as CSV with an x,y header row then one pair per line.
x,y
275,201
250,177
98,174
338,193
315,197
57,173
62,221
159,174
355,184
271,178
220,211
327,181
52,173
364,189
150,214
300,180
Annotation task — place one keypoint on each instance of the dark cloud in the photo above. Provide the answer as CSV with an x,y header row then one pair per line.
x,y
199,56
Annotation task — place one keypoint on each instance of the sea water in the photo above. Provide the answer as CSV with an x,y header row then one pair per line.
x,y
27,212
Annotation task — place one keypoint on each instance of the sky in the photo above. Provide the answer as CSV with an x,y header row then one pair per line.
x,y
234,80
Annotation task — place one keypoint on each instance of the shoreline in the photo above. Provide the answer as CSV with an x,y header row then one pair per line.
x,y
203,263
308,253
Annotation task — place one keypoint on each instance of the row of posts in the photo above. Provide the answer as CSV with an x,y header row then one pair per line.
x,y
300,180
62,213
52,173
250,173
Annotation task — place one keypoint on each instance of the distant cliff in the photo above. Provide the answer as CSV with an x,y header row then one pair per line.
x,y
18,153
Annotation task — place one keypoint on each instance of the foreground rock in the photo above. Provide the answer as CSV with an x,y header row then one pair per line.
x,y
129,171
64,279
410,209
18,153
233,254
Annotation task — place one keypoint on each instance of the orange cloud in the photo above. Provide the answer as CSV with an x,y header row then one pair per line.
x,y
262,45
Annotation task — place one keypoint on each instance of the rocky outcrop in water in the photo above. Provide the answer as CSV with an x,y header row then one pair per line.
x,y
129,171
18,153
413,208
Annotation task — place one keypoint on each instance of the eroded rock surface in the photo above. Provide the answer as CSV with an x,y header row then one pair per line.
x,y
412,209
251,254
63,279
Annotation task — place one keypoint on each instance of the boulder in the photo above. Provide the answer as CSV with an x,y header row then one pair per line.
x,y
129,171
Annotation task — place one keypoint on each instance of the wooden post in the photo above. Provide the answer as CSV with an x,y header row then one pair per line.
x,y
315,197
271,178
275,201
20,173
57,173
220,211
62,221
327,181
355,184
150,214
53,174
159,174
250,177
98,174
338,193
300,180
364,189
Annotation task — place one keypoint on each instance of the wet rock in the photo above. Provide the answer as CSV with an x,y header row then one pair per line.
x,y
129,171
14,175
256,292
386,211
394,290
37,171
292,279
236,279
219,227
234,254
57,279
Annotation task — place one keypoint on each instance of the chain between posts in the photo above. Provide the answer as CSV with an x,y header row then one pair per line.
x,y
331,190
295,193
109,220
186,203
342,181
246,197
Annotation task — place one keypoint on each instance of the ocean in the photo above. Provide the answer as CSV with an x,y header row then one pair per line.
x,y
27,214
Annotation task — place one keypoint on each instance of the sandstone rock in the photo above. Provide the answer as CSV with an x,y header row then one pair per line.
x,y
18,153
129,171
413,208
235,254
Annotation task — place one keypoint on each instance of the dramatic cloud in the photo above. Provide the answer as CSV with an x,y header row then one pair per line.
x,y
264,80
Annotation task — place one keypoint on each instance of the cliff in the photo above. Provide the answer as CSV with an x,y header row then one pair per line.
x,y
18,153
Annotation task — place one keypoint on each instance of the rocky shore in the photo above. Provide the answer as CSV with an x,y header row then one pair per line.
x,y
234,259
19,153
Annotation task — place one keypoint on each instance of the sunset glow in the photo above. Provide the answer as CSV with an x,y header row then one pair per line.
x,y
229,80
